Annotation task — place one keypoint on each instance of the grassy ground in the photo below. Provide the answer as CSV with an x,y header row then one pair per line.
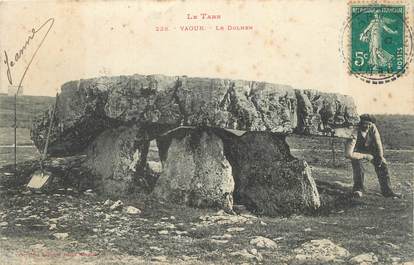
x,y
98,235
396,130
27,108
25,150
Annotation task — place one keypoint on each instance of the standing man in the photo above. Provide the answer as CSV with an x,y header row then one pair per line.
x,y
365,144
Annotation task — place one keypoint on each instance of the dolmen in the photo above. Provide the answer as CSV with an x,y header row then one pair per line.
x,y
218,140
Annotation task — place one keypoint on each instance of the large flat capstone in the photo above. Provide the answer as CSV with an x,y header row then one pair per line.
x,y
87,107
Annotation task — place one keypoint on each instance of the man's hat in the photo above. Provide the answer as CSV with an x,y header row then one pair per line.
x,y
368,117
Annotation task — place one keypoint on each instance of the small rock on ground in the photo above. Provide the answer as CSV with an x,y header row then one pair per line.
x,y
60,235
117,205
252,255
319,251
364,259
263,242
235,229
218,241
159,259
163,232
132,210
108,202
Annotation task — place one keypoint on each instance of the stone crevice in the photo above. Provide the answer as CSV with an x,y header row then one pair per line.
x,y
260,113
181,105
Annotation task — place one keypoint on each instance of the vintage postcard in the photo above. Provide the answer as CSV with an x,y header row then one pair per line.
x,y
206,132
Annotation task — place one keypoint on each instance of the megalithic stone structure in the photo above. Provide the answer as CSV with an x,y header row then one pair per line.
x,y
123,113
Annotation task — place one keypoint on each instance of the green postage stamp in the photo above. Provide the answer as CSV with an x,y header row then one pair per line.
x,y
377,39
380,40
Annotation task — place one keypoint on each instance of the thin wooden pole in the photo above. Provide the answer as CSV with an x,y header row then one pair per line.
x,y
333,151
15,132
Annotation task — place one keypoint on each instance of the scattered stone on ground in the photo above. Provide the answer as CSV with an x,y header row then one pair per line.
x,y
117,205
235,229
37,246
89,214
321,250
53,220
395,260
159,259
263,242
132,210
60,235
391,245
187,258
248,255
343,184
364,259
155,248
218,241
225,236
180,232
223,218
89,192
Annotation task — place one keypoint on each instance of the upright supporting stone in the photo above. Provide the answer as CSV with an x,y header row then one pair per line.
x,y
118,157
268,178
195,171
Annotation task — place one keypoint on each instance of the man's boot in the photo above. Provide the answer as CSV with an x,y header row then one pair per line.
x,y
358,176
385,181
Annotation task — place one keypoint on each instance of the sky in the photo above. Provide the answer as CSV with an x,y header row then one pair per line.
x,y
297,43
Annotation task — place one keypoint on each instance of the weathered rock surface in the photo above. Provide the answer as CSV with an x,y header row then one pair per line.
x,y
263,242
117,205
364,259
319,112
85,108
195,171
268,178
132,210
248,255
221,218
321,251
60,235
118,157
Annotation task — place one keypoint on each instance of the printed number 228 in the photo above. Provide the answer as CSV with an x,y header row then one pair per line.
x,y
360,58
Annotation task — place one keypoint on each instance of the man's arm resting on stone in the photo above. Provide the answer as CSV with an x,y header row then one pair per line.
x,y
350,154
378,142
